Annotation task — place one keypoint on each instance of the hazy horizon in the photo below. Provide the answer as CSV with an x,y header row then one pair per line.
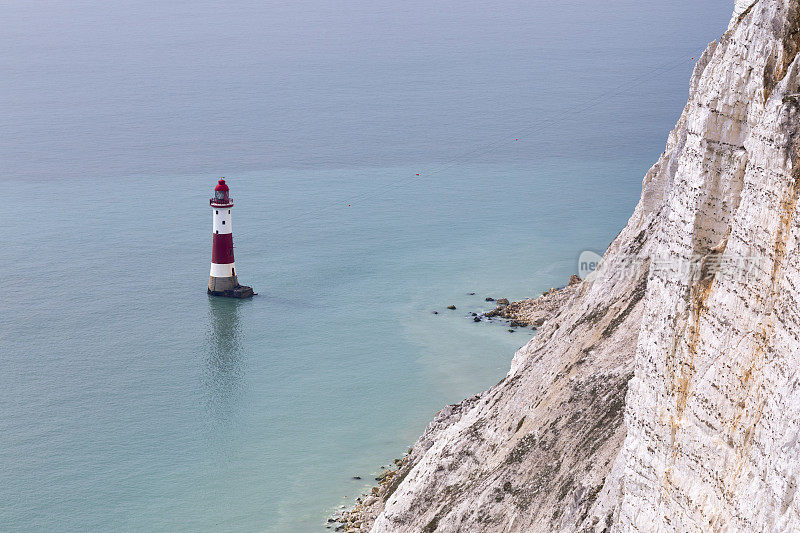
x,y
116,89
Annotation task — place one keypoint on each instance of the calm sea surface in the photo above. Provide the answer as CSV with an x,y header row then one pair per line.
x,y
129,399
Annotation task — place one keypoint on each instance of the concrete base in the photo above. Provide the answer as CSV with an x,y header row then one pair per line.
x,y
228,287
227,283
240,291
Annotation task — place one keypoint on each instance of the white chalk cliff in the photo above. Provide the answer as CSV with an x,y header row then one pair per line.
x,y
666,395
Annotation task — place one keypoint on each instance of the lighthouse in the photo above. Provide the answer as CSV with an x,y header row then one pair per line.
x,y
223,280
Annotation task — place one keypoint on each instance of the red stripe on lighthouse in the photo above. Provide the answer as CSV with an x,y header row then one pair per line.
x,y
222,248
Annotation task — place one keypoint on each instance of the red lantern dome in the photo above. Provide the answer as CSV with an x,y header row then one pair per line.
x,y
221,194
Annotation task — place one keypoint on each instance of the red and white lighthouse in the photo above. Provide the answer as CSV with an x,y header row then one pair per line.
x,y
223,280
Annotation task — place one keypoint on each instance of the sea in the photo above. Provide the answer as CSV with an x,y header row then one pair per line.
x,y
386,159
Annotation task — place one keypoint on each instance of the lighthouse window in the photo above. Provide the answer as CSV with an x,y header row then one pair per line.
x,y
217,212
223,222
229,211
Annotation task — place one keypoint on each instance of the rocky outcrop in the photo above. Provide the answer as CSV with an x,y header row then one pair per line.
x,y
535,311
665,395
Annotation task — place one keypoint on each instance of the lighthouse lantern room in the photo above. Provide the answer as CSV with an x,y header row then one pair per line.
x,y
223,280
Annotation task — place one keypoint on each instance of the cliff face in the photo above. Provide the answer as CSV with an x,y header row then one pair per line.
x,y
666,393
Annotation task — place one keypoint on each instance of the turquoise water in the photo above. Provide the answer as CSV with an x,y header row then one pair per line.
x,y
132,401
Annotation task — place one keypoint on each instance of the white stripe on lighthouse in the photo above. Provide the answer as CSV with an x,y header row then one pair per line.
x,y
222,220
222,270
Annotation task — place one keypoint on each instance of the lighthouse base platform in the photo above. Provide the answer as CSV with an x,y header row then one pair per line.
x,y
229,287
240,291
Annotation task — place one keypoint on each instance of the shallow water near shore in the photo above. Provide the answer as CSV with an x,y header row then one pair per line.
x,y
135,400
383,166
